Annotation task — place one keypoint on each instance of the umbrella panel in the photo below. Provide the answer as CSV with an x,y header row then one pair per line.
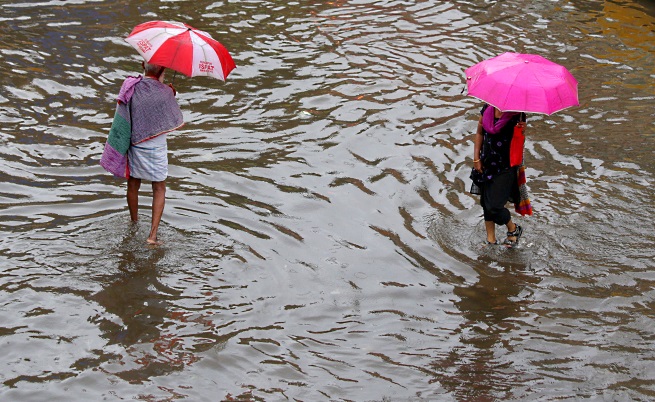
x,y
174,53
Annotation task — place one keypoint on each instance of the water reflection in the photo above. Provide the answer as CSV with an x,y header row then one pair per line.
x,y
320,241
131,299
141,304
490,308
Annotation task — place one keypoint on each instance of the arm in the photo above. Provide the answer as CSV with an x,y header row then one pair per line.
x,y
477,146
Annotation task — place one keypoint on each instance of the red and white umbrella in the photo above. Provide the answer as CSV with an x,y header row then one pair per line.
x,y
182,48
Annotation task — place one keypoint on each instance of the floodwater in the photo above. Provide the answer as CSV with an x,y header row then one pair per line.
x,y
320,242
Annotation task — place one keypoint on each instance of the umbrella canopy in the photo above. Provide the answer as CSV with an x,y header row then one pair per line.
x,y
182,48
522,83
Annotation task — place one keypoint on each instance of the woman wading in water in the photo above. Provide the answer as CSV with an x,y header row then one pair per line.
x,y
494,179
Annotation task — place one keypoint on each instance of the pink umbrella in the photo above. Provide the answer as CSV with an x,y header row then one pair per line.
x,y
522,83
182,48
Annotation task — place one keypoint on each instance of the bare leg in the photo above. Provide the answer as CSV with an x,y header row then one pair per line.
x,y
158,201
133,186
511,226
490,226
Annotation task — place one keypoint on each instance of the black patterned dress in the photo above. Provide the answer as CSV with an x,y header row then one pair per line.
x,y
498,182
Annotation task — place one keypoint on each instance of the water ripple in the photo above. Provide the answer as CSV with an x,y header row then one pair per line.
x,y
319,239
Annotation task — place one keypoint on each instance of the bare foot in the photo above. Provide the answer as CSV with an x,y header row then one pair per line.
x,y
153,242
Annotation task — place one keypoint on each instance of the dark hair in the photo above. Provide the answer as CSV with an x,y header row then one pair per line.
x,y
153,69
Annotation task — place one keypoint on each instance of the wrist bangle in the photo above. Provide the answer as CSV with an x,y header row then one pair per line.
x,y
477,160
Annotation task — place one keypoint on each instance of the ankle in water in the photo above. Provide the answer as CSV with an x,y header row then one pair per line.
x,y
516,234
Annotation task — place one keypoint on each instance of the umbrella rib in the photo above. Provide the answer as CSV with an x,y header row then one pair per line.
x,y
561,101
152,39
507,95
204,54
541,85
179,45
165,32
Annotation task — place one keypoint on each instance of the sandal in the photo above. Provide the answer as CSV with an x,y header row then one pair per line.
x,y
517,234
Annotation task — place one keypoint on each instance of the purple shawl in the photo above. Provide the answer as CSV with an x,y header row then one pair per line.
x,y
145,109
488,120
154,110
127,89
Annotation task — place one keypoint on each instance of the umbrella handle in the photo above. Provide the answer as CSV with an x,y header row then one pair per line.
x,y
172,82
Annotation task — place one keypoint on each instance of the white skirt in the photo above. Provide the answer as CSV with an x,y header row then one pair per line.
x,y
149,159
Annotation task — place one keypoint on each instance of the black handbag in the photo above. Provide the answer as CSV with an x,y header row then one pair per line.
x,y
477,179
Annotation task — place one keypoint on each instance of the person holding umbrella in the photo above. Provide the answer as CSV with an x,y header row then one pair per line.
x,y
511,84
136,148
493,174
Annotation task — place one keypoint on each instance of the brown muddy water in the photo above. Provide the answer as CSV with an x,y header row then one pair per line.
x,y
320,242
